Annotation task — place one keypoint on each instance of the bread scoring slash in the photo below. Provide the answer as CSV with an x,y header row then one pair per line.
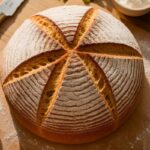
x,y
71,74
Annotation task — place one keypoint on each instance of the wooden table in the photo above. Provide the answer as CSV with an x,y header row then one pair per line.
x,y
133,135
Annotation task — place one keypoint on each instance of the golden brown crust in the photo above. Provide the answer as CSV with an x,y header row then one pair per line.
x,y
102,84
60,59
51,90
69,138
62,138
51,29
111,50
34,64
83,27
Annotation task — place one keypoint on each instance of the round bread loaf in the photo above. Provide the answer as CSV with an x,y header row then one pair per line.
x,y
71,74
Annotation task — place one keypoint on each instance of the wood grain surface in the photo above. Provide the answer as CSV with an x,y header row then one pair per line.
x,y
134,134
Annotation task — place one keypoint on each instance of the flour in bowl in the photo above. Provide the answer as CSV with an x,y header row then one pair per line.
x,y
133,4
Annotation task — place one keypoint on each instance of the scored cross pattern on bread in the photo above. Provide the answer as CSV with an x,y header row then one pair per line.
x,y
73,89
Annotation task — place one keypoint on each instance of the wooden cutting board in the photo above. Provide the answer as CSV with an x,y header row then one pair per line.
x,y
133,135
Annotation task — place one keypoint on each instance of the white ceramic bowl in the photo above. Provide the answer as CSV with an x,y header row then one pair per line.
x,y
131,12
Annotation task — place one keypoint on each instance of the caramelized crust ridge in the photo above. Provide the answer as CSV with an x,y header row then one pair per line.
x,y
51,90
51,29
34,65
83,27
101,83
114,50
